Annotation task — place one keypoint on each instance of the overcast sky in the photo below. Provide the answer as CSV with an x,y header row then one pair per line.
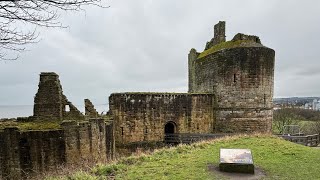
x,y
142,45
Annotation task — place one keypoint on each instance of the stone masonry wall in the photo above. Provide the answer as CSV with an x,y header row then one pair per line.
x,y
241,36
192,57
219,35
140,117
85,140
242,80
38,151
31,151
50,103
48,100
9,155
90,111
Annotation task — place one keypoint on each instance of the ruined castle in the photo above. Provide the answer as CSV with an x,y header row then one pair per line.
x,y
57,134
230,91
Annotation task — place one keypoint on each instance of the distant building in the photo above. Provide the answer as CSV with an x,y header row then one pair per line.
x,y
314,105
317,107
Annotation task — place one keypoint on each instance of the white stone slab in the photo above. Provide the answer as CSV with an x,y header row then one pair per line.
x,y
239,156
236,160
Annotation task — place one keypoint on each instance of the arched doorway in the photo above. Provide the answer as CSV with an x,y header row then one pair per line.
x,y
169,128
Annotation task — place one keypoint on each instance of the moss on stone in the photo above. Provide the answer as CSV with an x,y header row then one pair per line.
x,y
7,124
158,93
225,45
34,125
149,93
39,125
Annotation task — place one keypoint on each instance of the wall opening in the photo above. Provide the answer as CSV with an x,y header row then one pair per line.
x,y
169,128
234,78
67,108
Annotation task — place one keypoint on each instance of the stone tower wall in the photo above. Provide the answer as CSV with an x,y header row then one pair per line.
x,y
242,80
142,117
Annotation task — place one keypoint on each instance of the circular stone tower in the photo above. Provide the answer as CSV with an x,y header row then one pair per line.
x,y
240,74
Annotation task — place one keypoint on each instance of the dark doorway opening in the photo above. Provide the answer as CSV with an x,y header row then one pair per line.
x,y
169,128
169,133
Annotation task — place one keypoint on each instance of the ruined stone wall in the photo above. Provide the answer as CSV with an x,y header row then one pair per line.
x,y
50,103
48,100
110,141
142,116
192,57
219,35
9,155
85,140
90,111
241,36
38,151
242,80
30,151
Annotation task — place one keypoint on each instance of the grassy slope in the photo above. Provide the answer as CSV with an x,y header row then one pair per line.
x,y
278,158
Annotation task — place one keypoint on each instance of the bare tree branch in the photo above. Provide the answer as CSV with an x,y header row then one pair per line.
x,y
44,13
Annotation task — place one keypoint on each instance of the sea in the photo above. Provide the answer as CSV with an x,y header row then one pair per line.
x,y
14,111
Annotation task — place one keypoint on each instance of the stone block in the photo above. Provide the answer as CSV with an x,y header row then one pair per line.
x,y
236,160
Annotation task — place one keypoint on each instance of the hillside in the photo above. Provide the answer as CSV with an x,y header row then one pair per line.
x,y
276,158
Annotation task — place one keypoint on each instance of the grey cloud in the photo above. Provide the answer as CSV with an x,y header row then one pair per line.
x,y
143,46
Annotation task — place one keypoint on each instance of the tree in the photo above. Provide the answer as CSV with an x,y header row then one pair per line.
x,y
16,14
282,117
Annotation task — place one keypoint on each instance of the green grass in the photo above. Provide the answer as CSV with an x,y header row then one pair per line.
x,y
39,125
34,125
279,159
224,45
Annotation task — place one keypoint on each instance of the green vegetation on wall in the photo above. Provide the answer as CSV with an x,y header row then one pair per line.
x,y
34,125
224,45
